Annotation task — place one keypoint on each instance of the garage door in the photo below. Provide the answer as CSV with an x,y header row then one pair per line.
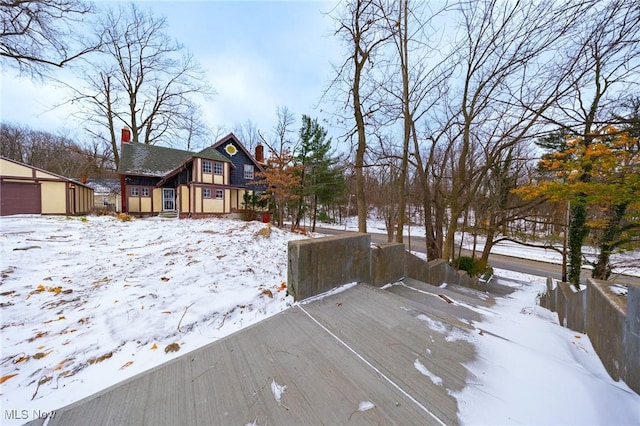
x,y
19,198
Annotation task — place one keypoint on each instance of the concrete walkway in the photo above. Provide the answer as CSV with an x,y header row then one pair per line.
x,y
362,356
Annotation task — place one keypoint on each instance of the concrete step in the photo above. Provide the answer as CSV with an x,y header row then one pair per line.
x,y
327,358
168,215
453,291
447,305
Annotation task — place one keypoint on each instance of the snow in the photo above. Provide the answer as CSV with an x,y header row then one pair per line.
x,y
532,371
366,405
277,390
425,372
618,289
89,302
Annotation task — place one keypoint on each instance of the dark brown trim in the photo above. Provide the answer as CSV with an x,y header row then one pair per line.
x,y
57,178
123,194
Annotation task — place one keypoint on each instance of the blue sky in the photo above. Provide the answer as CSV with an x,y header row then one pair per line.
x,y
259,55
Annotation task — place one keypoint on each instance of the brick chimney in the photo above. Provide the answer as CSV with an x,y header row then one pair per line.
x,y
126,135
259,153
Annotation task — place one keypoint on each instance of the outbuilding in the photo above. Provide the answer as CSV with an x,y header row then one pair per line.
x,y
25,189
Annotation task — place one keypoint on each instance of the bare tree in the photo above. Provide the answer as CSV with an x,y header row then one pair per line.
x,y
508,81
417,76
361,27
38,34
606,50
142,80
248,133
197,132
55,153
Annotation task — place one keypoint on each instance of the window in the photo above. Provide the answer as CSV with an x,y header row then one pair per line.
x,y
135,192
206,192
219,194
206,166
218,168
248,171
145,192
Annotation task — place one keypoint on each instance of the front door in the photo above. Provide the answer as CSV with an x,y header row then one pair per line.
x,y
168,199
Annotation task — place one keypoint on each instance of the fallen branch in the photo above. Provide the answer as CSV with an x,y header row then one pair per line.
x,y
224,317
183,314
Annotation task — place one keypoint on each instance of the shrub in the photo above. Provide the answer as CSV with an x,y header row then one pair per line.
x,y
324,217
123,217
473,267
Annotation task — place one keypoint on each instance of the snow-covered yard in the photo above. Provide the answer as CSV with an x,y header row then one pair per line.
x,y
89,302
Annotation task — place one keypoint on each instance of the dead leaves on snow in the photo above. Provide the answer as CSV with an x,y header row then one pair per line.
x,y
7,377
55,290
173,347
38,335
60,318
40,355
100,358
267,292
264,232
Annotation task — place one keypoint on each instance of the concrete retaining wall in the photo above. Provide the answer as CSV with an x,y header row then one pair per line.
x,y
417,268
611,320
388,264
570,306
436,272
613,330
320,264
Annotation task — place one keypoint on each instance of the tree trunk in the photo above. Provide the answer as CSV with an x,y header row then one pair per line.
x,y
602,270
578,231
361,201
403,46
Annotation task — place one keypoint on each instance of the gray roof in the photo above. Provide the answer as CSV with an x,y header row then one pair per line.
x,y
210,153
104,186
152,160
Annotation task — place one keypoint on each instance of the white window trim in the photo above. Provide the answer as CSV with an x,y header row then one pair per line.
x,y
204,193
206,163
248,174
221,192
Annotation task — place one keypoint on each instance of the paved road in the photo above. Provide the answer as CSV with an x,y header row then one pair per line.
x,y
526,266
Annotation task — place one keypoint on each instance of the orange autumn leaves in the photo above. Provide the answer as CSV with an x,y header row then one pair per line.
x,y
603,170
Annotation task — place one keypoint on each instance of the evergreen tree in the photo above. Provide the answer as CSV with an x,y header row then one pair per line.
x,y
606,203
320,180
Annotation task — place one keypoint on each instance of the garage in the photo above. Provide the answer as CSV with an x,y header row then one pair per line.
x,y
25,189
19,198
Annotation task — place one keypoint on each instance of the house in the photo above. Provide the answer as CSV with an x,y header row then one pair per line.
x,y
159,180
106,194
25,189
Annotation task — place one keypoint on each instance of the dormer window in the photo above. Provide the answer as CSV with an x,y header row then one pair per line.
x,y
248,171
207,166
